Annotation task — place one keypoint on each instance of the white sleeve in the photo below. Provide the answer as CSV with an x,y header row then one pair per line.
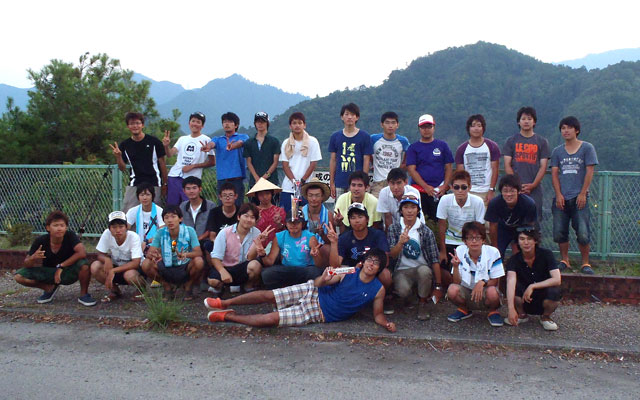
x,y
441,213
136,248
159,221
283,157
314,150
103,243
131,215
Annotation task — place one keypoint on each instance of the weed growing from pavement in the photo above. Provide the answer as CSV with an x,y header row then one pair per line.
x,y
161,312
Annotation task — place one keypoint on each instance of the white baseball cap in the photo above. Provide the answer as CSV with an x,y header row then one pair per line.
x,y
426,119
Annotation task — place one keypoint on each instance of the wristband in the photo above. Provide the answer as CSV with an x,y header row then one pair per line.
x,y
58,266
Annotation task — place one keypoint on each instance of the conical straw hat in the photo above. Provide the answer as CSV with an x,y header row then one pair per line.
x,y
263,185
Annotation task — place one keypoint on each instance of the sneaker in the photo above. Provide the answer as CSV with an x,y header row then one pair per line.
x,y
214,292
388,307
234,289
521,320
459,315
48,296
213,303
586,269
87,300
495,319
217,316
423,314
548,324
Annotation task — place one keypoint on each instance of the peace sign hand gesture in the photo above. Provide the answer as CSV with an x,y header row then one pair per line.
x,y
331,234
116,150
404,237
166,140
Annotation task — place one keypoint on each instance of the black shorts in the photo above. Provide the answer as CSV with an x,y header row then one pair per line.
x,y
238,274
177,274
536,307
119,277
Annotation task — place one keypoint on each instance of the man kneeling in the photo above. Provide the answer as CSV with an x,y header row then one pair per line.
x,y
327,299
119,254
477,268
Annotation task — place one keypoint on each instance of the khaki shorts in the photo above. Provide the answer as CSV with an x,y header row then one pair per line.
x,y
376,187
465,294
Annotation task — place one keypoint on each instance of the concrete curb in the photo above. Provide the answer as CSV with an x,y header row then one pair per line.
x,y
346,333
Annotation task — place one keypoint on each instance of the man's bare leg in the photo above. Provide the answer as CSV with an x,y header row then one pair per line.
x,y
257,320
257,297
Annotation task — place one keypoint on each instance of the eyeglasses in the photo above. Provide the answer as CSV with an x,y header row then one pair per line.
x,y
134,123
509,191
474,238
227,195
373,261
460,187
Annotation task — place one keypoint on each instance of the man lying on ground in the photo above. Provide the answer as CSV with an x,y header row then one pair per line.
x,y
327,299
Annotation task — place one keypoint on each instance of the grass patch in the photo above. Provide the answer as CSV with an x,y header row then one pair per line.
x,y
14,291
160,312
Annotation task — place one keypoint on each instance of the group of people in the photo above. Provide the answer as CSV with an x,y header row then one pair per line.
x,y
322,265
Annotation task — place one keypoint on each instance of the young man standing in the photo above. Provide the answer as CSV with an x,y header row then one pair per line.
x,y
477,269
262,152
350,150
299,155
57,258
388,151
454,210
119,255
507,211
230,163
413,245
145,155
196,212
174,257
390,197
190,160
358,184
481,158
330,298
572,167
526,154
429,164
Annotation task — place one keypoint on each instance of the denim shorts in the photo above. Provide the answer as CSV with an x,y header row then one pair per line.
x,y
579,221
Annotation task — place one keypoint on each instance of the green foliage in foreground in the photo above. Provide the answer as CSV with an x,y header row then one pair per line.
x,y
161,313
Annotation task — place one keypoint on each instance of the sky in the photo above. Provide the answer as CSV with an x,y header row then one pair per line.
x,y
307,47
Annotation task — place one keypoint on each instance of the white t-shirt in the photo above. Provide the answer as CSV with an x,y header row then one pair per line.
x,y
388,203
132,215
122,254
456,216
411,256
297,163
194,213
489,261
188,154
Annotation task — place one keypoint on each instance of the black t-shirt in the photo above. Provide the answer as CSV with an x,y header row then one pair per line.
x,y
540,271
523,213
143,157
69,241
352,249
218,221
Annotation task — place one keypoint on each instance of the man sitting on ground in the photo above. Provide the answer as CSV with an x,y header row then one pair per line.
x,y
119,255
299,250
57,258
477,269
413,245
174,257
533,281
390,196
327,299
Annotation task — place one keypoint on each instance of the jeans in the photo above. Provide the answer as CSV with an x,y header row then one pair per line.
x,y
579,221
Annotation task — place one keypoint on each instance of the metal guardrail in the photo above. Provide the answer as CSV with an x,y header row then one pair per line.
x,y
30,192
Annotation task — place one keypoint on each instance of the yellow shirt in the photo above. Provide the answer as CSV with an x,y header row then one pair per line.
x,y
370,203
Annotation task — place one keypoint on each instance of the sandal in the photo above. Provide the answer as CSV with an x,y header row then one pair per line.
x,y
563,265
112,296
586,269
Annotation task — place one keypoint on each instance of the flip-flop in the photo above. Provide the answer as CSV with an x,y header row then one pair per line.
x,y
111,297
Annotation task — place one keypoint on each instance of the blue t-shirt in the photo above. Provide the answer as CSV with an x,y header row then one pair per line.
x,y
230,164
351,249
192,243
430,160
572,168
340,301
350,152
295,251
524,212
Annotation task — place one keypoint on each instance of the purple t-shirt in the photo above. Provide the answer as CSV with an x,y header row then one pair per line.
x,y
430,160
350,152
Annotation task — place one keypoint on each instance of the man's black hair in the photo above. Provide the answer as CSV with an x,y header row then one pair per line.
x,y
479,118
380,255
510,180
529,111
228,186
572,122
191,180
352,108
389,115
172,209
397,174
146,186
359,175
230,116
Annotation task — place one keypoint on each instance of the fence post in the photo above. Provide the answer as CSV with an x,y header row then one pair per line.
x,y
605,224
116,187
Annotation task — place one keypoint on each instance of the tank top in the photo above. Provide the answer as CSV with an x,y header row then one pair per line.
x,y
340,301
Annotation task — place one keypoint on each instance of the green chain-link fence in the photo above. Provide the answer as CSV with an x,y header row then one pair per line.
x,y
30,192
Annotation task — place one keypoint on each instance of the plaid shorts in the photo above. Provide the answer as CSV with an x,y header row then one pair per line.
x,y
298,304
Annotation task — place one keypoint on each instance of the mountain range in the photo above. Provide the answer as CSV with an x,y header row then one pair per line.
x,y
603,60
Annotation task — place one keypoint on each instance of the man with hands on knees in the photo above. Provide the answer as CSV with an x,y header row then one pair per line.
x,y
477,269
330,298
533,281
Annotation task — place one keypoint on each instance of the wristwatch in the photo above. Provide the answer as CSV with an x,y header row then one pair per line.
x,y
492,189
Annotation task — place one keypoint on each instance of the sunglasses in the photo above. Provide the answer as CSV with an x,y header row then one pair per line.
x,y
459,187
